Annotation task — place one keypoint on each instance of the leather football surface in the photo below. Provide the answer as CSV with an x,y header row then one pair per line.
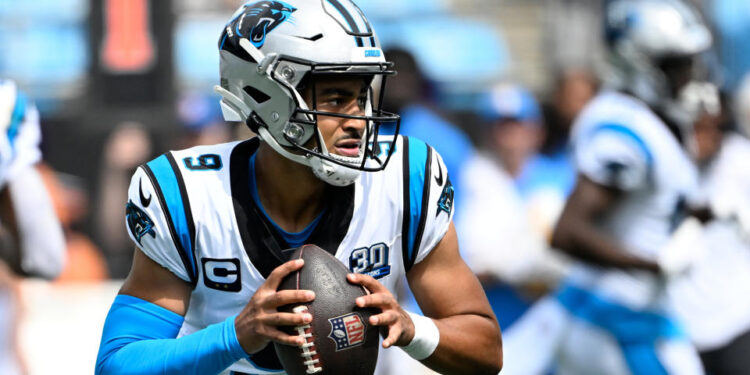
x,y
340,338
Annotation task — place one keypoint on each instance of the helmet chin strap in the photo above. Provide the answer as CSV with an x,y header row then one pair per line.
x,y
330,173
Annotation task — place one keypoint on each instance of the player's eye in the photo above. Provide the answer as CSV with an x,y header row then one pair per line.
x,y
331,102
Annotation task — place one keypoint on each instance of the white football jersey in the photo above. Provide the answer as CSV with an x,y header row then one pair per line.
x,y
619,142
710,298
191,211
20,133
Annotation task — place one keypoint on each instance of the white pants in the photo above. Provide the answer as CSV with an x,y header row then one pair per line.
x,y
594,338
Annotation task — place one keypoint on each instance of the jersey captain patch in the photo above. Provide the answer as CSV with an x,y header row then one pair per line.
x,y
138,222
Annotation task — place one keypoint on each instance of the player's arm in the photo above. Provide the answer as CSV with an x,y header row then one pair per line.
x,y
578,234
34,244
141,328
140,331
450,294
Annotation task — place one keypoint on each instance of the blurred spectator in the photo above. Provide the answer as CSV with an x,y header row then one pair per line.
x,y
128,146
201,120
409,94
515,125
85,261
573,88
498,239
549,176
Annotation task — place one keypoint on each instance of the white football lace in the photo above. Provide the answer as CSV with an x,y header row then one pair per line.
x,y
308,348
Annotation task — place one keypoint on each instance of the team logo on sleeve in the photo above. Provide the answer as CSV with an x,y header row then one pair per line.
x,y
138,222
445,203
347,331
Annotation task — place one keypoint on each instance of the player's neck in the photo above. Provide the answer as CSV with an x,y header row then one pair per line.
x,y
289,192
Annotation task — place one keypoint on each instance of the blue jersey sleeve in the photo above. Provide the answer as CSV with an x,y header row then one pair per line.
x,y
139,337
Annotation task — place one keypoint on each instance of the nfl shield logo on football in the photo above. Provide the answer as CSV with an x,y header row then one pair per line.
x,y
347,331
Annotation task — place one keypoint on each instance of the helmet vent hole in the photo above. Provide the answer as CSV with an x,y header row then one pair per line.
x,y
257,95
315,37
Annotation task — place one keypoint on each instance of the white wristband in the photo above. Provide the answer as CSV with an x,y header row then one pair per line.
x,y
426,337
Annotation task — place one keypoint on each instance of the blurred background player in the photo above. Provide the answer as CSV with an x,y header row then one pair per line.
x,y
626,220
31,239
708,298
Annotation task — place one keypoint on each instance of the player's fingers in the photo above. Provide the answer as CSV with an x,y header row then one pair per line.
x,y
287,297
366,281
274,279
287,319
276,335
381,300
386,318
394,332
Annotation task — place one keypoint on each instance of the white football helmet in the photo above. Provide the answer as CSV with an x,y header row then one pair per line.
x,y
269,48
646,36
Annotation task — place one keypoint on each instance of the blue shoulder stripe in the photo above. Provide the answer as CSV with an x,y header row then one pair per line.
x,y
627,133
170,189
417,155
17,117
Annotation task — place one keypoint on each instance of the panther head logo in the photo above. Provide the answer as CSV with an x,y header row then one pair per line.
x,y
259,19
138,222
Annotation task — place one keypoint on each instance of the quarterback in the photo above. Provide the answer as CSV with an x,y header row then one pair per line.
x,y
212,224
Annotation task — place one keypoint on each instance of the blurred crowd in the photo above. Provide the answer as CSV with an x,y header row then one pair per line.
x,y
497,98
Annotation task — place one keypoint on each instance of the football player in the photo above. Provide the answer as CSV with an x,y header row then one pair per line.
x,y
708,298
212,224
31,238
626,221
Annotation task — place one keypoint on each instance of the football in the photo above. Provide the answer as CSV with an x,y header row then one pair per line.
x,y
340,339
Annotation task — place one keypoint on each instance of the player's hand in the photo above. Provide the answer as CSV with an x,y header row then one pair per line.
x,y
400,328
732,204
258,322
684,248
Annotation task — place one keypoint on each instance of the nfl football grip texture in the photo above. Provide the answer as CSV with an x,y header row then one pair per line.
x,y
340,339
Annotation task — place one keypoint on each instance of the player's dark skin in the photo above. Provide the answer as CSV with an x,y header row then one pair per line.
x,y
470,341
578,234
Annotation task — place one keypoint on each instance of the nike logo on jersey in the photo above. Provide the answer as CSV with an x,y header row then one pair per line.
x,y
439,177
144,201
